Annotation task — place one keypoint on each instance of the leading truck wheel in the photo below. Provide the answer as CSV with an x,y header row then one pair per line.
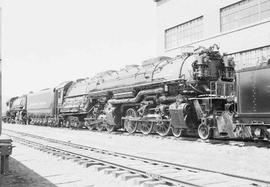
x,y
131,126
204,132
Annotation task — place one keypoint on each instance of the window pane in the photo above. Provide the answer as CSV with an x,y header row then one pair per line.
x,y
244,13
184,33
251,57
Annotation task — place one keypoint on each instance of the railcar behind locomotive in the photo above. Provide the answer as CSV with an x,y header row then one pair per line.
x,y
75,104
40,107
43,106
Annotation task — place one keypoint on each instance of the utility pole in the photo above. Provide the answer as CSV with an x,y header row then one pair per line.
x,y
0,86
0,71
5,142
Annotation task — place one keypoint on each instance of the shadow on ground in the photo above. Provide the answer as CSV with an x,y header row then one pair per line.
x,y
21,176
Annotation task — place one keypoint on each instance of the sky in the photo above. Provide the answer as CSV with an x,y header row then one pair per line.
x,y
46,42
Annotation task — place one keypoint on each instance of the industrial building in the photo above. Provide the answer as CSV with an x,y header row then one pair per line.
x,y
240,28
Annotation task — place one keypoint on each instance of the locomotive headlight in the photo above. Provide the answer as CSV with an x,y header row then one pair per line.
x,y
257,132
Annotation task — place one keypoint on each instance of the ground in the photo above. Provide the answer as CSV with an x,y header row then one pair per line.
x,y
249,161
21,176
33,168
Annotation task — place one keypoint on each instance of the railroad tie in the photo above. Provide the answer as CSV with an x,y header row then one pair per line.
x,y
109,171
118,173
154,184
100,167
139,181
129,176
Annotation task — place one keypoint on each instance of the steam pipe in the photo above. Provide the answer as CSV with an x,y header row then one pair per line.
x,y
180,74
164,99
138,96
197,90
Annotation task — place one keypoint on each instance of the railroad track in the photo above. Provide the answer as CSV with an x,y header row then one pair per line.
x,y
150,172
230,142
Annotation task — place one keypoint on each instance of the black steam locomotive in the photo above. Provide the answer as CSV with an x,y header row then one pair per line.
x,y
194,93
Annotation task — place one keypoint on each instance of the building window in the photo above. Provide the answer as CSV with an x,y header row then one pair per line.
x,y
184,33
243,13
251,57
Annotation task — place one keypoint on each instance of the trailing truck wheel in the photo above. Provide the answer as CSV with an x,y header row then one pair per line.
x,y
76,124
177,132
204,132
100,127
131,126
60,124
89,127
110,128
164,128
146,127
67,123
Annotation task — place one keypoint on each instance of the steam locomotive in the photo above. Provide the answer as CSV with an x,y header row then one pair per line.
x,y
194,93
15,111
